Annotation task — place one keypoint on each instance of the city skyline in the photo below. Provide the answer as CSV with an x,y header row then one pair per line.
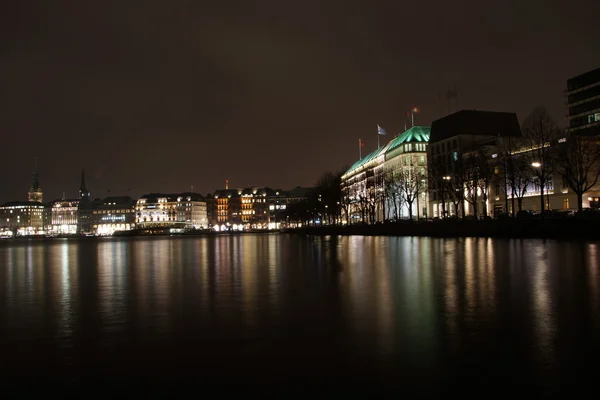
x,y
268,94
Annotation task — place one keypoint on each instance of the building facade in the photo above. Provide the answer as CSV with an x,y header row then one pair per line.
x,y
175,211
64,217
389,183
22,218
113,214
463,162
583,102
254,208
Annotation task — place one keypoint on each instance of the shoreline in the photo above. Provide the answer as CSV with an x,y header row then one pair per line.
x,y
550,228
558,228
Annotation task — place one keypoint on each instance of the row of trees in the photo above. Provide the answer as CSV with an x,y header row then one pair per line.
x,y
520,165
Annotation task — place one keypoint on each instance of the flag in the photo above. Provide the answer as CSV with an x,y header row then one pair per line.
x,y
407,114
415,109
361,143
381,131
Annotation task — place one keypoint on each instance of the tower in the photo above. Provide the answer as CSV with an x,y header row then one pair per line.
x,y
84,194
35,191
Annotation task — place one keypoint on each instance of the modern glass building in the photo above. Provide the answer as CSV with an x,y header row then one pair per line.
x,y
583,102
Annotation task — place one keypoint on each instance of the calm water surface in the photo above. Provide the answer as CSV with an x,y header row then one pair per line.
x,y
279,313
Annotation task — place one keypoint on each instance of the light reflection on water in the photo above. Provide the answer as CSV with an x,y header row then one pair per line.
x,y
441,307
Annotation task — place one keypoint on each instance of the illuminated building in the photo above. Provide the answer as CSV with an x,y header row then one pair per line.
x,y
454,139
229,207
249,208
371,189
254,207
113,214
178,211
583,102
22,217
63,217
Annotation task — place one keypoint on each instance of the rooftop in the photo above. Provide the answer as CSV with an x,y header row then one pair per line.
x,y
416,134
22,203
583,80
473,122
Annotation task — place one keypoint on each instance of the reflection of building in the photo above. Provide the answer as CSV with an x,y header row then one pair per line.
x,y
583,100
113,214
376,187
183,210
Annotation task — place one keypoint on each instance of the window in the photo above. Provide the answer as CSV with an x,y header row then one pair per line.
x,y
593,118
422,160
566,203
454,156
496,170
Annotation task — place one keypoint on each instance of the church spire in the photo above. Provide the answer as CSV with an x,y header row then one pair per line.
x,y
35,191
83,192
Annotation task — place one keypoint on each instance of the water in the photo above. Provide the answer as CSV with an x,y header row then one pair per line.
x,y
278,314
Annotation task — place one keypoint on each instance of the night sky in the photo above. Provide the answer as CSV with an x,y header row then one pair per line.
x,y
164,95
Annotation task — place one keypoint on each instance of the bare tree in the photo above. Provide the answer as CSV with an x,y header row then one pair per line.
x,y
392,192
471,179
519,180
455,184
411,181
485,171
438,182
579,164
539,134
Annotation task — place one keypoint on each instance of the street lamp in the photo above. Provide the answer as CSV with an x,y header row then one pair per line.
x,y
536,164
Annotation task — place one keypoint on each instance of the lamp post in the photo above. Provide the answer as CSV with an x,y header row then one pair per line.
x,y
447,179
537,164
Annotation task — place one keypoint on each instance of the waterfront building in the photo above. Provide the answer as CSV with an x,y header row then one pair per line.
x,y
176,211
64,217
22,218
113,214
462,145
389,183
583,103
254,207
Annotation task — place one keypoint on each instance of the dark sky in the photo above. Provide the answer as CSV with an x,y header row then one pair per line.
x,y
168,94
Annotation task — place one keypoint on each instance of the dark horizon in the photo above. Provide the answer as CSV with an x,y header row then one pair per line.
x,y
265,94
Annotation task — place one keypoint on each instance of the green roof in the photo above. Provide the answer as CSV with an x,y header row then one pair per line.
x,y
419,134
365,159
